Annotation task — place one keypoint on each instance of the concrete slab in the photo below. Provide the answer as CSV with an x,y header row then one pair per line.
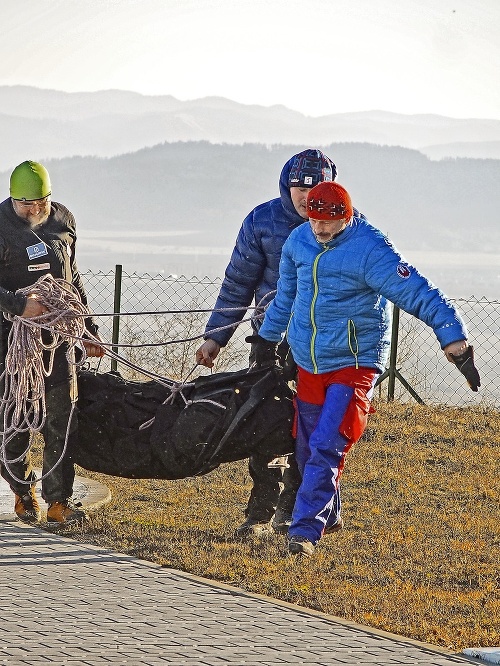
x,y
90,493
489,655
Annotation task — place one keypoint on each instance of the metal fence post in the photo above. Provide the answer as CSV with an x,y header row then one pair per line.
x,y
391,384
414,354
116,310
391,373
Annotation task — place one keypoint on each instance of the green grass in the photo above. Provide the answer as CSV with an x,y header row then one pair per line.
x,y
419,555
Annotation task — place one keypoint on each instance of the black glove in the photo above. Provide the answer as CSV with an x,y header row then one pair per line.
x,y
465,363
286,361
264,352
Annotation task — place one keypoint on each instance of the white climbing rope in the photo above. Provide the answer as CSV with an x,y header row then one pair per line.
x,y
23,402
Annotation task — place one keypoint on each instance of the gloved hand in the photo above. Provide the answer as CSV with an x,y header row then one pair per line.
x,y
264,351
286,362
465,363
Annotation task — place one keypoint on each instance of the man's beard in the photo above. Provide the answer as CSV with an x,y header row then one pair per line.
x,y
36,220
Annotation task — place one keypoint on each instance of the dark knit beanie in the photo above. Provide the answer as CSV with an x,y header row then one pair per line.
x,y
311,167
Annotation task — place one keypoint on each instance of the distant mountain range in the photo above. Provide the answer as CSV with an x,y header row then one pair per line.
x,y
50,123
160,185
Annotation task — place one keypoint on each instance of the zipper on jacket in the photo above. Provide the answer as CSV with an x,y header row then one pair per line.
x,y
353,340
289,322
313,304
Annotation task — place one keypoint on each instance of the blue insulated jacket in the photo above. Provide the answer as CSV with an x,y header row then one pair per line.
x,y
332,299
253,269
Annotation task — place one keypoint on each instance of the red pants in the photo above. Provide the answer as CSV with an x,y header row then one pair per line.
x,y
331,414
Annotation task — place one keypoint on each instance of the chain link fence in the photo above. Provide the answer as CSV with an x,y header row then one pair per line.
x,y
155,310
423,365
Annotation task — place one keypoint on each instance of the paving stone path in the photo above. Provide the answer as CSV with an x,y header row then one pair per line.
x,y
62,603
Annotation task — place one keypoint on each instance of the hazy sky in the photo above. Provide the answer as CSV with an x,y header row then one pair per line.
x,y
314,56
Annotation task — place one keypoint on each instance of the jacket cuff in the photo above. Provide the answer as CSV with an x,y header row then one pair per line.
x,y
220,337
451,333
14,303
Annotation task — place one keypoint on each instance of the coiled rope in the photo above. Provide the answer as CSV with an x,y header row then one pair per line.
x,y
23,402
31,341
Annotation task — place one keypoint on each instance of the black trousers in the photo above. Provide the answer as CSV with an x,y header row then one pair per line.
x,y
58,486
273,488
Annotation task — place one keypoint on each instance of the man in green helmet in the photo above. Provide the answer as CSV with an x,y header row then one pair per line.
x,y
38,236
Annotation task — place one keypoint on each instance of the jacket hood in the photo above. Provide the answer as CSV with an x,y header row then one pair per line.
x,y
286,200
309,166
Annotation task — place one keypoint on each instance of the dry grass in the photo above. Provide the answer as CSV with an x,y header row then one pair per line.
x,y
420,552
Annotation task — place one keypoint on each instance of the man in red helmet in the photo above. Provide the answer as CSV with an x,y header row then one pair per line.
x,y
337,276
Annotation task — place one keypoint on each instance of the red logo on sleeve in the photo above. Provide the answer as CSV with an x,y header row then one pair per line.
x,y
403,271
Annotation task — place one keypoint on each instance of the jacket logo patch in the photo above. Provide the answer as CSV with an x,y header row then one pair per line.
x,y
36,251
38,267
403,271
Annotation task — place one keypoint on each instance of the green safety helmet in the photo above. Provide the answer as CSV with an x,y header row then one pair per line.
x,y
30,181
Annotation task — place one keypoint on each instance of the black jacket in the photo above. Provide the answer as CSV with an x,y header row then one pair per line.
x,y
17,270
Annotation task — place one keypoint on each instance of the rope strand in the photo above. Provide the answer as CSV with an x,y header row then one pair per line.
x,y
34,340
23,402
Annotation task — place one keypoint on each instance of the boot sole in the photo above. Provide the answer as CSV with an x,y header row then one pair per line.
x,y
335,528
251,534
297,549
29,519
65,523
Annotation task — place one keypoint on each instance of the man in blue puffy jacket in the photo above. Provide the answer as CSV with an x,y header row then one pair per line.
x,y
337,276
252,275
